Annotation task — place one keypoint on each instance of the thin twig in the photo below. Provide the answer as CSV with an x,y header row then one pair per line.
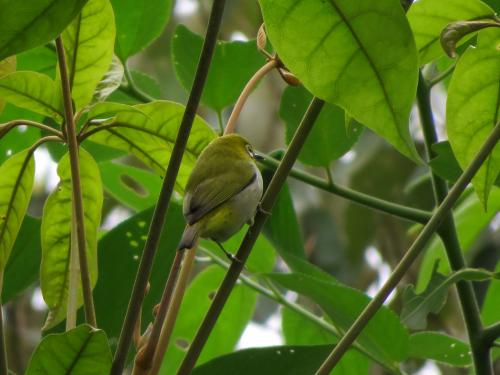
x,y
72,141
410,256
266,206
266,68
161,209
131,88
403,212
5,128
439,77
491,334
173,311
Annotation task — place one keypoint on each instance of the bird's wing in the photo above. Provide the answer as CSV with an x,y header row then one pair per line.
x,y
215,190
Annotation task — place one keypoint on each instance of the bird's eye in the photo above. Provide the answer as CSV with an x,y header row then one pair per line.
x,y
249,150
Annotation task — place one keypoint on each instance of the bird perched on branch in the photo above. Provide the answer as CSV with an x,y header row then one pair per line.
x,y
222,192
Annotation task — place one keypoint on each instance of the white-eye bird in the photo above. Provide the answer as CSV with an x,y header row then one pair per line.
x,y
222,192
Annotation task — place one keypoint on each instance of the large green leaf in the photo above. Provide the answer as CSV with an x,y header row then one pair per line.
x,y
290,360
119,253
440,347
470,220
473,106
429,17
136,188
7,66
18,173
56,234
31,90
138,24
80,351
233,64
236,314
298,330
88,43
329,139
42,59
491,305
151,137
343,305
30,23
340,52
24,262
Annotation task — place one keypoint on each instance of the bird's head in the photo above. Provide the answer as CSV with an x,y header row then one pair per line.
x,y
234,145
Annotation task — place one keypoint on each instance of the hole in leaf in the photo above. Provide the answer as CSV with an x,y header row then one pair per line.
x,y
133,185
182,344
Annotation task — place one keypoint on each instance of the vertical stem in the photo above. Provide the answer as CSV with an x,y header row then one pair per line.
x,y
220,122
267,203
3,349
158,219
76,186
74,272
448,234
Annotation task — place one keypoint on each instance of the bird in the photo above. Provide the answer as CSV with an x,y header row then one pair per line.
x,y
223,191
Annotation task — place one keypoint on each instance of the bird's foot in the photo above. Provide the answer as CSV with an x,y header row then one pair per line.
x,y
229,256
262,210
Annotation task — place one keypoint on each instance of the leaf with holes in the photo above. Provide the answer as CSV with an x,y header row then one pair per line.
x,y
134,187
16,184
343,305
30,23
233,64
82,350
440,347
138,23
429,17
341,54
56,234
234,318
88,43
473,106
290,360
151,137
31,90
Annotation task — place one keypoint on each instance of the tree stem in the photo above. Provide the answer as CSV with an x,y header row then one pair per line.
x,y
266,68
161,209
448,234
76,186
404,212
410,256
267,203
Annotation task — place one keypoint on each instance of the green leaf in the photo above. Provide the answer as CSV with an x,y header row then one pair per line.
x,y
444,164
138,24
233,64
18,174
7,66
329,138
119,253
24,262
343,305
470,220
82,350
440,347
144,82
30,23
56,234
88,43
340,53
41,59
134,187
151,138
110,109
416,307
31,90
473,106
429,17
290,360
110,82
234,318
282,227
297,330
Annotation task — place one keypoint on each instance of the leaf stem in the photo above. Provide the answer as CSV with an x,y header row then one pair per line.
x,y
266,68
74,276
439,77
131,88
72,142
410,256
404,212
161,209
266,205
491,334
6,127
448,234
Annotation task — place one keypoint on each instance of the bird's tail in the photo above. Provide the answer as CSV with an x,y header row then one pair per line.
x,y
189,237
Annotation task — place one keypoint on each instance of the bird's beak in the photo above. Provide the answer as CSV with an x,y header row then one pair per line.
x,y
257,157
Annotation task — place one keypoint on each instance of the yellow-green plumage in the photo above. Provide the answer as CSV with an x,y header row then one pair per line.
x,y
222,192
